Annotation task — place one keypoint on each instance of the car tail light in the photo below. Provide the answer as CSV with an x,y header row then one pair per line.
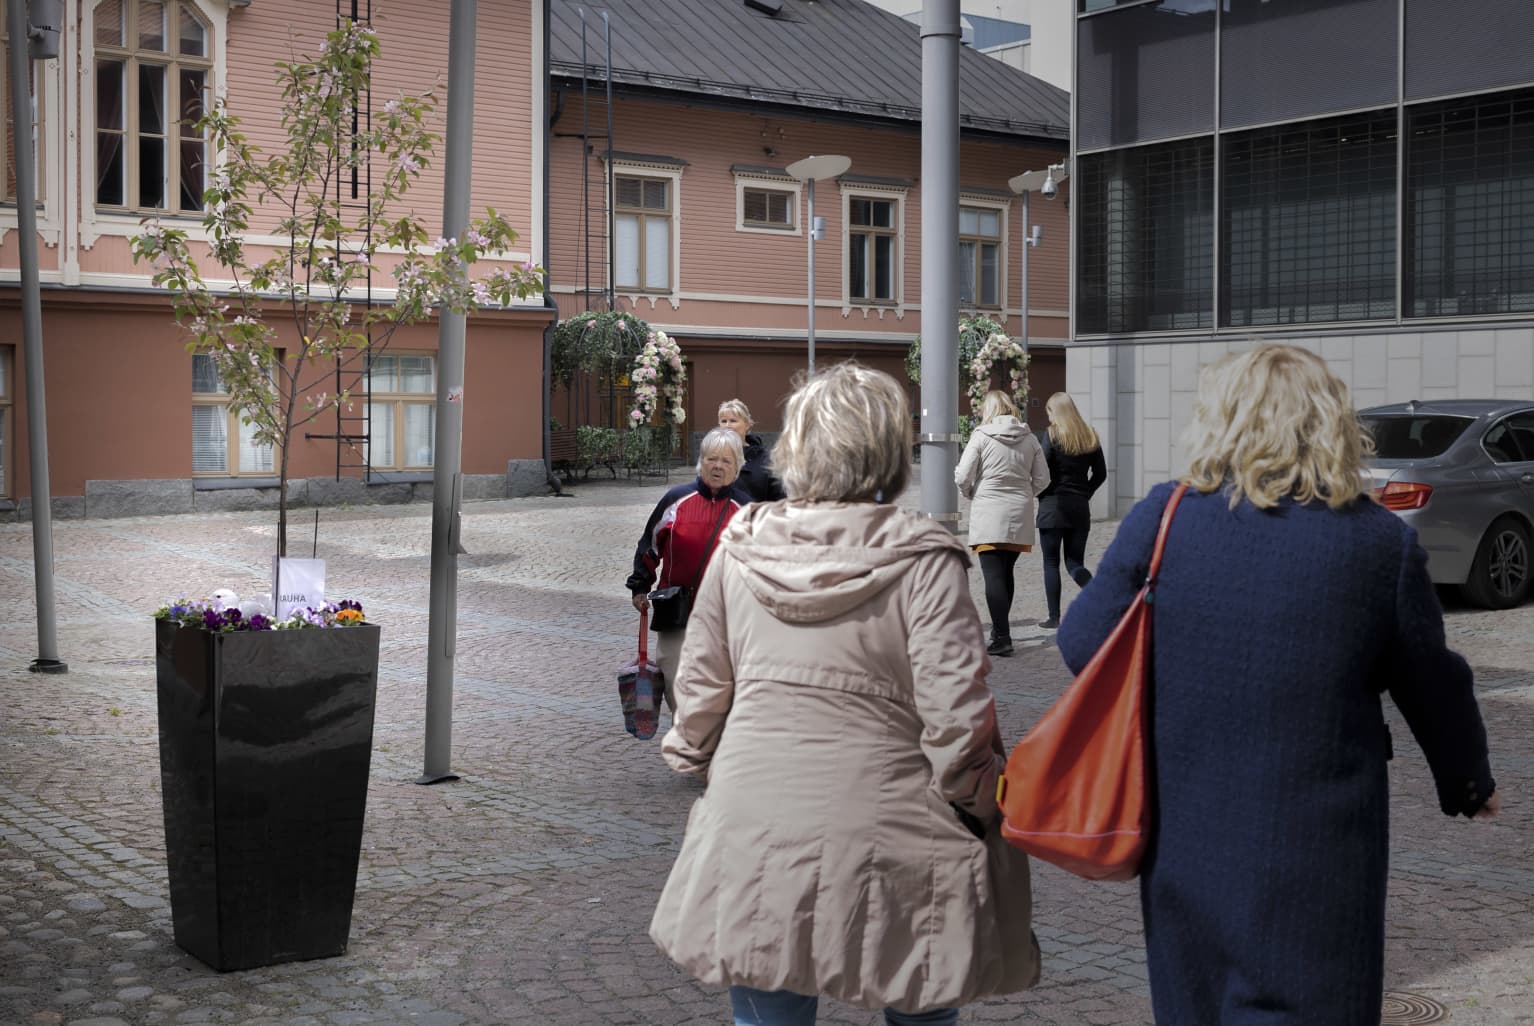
x,y
1403,495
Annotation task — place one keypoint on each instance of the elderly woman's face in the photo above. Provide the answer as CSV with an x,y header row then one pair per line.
x,y
719,467
732,420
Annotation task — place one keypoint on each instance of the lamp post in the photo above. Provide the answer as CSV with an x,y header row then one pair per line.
x,y
809,171
1046,182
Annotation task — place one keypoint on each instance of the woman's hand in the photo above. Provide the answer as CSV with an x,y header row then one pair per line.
x,y
641,601
1491,808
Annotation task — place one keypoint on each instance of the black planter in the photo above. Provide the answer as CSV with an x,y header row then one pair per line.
x,y
265,738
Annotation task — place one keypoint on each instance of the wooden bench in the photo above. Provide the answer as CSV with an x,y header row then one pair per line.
x,y
564,454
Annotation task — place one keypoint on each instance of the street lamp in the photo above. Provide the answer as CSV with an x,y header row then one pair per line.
x,y
809,171
1047,183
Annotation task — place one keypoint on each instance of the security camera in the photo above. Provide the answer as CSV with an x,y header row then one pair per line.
x,y
1049,188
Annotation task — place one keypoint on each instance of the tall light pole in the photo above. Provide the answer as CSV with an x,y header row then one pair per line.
x,y
1046,182
808,171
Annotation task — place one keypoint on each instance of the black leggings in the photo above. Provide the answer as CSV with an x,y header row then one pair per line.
x,y
996,566
1074,541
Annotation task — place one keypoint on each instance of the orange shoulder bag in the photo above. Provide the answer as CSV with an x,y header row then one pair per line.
x,y
1073,792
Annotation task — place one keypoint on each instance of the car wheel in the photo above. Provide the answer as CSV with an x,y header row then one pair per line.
x,y
1500,576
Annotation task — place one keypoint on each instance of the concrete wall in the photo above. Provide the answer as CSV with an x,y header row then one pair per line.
x,y
1139,395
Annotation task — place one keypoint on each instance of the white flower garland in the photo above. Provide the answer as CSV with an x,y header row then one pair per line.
x,y
658,373
998,348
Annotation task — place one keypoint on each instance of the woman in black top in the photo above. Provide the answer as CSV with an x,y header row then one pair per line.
x,y
756,477
1076,470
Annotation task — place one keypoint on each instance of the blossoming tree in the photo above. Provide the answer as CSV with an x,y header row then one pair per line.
x,y
310,281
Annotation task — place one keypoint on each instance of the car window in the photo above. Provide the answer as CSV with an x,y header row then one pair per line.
x,y
1520,426
1501,443
1414,437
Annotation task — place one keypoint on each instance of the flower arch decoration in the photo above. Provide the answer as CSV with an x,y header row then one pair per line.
x,y
985,352
660,381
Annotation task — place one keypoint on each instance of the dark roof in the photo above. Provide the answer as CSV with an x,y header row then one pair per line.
x,y
837,55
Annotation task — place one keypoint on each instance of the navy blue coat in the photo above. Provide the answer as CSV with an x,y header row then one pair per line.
x,y
1263,887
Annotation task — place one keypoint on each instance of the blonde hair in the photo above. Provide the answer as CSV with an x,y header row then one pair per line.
x,y
846,437
996,404
722,438
738,408
1067,431
1272,422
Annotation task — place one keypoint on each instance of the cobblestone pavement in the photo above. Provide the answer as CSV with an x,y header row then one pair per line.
x,y
521,893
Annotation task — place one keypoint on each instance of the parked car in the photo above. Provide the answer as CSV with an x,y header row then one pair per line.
x,y
1461,472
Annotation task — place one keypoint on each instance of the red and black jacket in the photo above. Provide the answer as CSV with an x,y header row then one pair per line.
x,y
677,533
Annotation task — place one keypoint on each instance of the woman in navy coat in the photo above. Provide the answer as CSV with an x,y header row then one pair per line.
x,y
1287,602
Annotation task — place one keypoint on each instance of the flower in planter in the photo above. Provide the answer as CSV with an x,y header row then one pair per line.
x,y
214,616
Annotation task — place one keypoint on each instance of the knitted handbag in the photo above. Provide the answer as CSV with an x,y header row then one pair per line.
x,y
1073,792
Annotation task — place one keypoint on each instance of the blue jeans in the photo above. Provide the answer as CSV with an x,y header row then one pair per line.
x,y
784,1008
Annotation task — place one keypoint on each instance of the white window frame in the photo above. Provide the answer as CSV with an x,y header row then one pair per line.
x,y
48,148
232,426
1003,207
672,173
94,223
401,464
745,180
853,190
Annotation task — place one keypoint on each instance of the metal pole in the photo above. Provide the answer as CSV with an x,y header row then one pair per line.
x,y
447,477
809,235
47,660
939,270
1027,245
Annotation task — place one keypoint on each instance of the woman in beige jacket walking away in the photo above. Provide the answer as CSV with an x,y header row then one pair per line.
x,y
1002,470
832,693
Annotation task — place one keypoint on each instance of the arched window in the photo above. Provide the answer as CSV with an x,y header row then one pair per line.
x,y
153,77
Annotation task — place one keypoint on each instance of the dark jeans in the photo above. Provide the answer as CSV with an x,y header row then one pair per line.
x,y
1074,541
996,567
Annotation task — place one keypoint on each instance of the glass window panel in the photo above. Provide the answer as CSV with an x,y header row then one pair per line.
x,y
378,450
151,172
5,383
857,266
754,205
1145,238
109,95
210,442
193,36
1309,222
111,22
779,208
655,194
205,374
151,99
629,192
860,211
990,223
192,184
417,374
193,100
966,272
884,267
151,25
110,170
626,251
1468,230
420,434
883,213
1145,73
988,275
254,459
657,256
1457,48
383,373
969,221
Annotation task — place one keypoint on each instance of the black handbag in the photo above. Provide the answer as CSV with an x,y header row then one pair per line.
x,y
670,607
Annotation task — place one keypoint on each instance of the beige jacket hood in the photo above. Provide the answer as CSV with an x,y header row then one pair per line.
x,y
832,691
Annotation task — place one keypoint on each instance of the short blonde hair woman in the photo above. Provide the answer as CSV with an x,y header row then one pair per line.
x,y
835,655
757,480
1286,604
1076,471
1002,472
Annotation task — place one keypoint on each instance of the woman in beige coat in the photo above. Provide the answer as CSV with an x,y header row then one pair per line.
x,y
832,693
1002,470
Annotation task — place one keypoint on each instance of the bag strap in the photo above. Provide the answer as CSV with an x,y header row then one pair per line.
x,y
1166,526
644,634
708,550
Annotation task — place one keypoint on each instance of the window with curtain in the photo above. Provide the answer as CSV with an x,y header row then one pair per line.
x,y
6,435
767,208
979,256
402,411
221,444
8,144
153,73
1468,229
872,237
642,229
